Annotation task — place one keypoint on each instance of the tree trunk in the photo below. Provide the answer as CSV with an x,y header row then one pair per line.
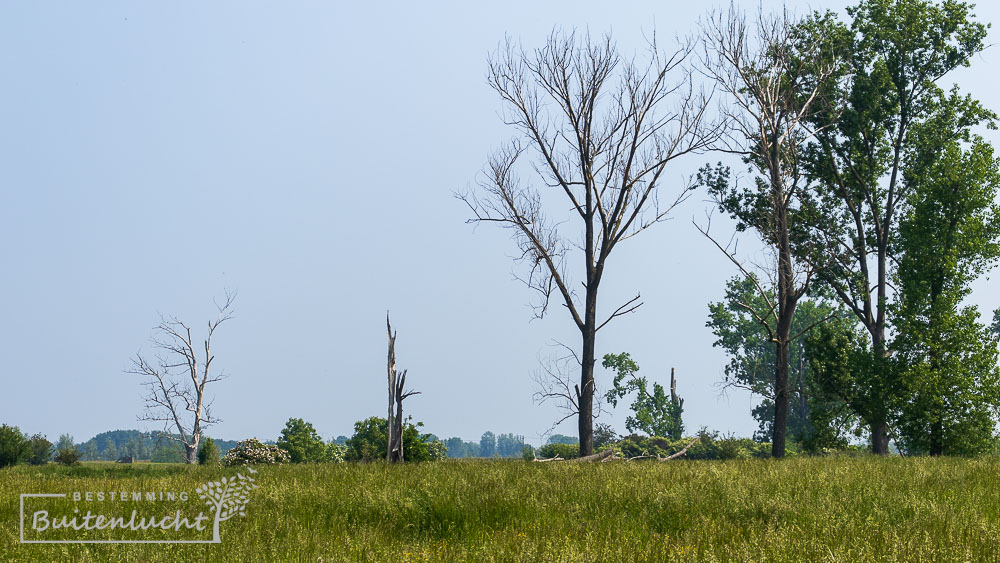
x,y
787,299
880,438
879,425
585,395
780,427
192,453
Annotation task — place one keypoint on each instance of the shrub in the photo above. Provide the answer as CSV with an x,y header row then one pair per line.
x,y
302,442
40,450
14,446
335,452
565,451
370,441
436,450
68,455
708,446
528,453
254,452
208,452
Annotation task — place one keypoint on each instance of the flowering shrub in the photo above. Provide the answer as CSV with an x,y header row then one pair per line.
x,y
253,452
335,453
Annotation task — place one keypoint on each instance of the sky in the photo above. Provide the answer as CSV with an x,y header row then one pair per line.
x,y
306,155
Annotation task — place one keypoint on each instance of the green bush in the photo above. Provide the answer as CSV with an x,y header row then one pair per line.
x,y
303,444
565,451
40,450
254,452
708,446
14,446
68,455
208,452
528,453
370,442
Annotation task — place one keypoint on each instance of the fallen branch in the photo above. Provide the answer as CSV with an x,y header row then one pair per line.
x,y
680,453
596,457
557,458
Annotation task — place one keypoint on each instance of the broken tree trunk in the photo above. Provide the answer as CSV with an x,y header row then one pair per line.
x,y
397,379
391,368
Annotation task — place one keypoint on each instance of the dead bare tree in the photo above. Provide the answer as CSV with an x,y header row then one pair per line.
x,y
397,381
178,377
773,74
554,384
602,130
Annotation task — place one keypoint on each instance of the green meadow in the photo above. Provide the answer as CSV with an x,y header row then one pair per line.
x,y
803,509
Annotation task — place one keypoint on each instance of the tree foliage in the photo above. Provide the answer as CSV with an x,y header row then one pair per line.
x,y
66,451
653,412
303,444
897,51
816,419
14,447
208,452
370,441
949,236
40,450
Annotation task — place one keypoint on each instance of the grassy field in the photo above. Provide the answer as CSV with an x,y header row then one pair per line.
x,y
822,509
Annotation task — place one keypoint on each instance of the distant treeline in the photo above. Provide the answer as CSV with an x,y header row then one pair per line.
x,y
154,446
158,447
497,445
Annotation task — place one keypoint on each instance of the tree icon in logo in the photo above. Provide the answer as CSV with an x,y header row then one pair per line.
x,y
229,497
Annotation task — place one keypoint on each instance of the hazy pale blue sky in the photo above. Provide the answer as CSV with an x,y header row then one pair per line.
x,y
305,154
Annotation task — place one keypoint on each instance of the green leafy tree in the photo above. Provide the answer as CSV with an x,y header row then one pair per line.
x,y
604,435
41,450
208,452
66,451
110,451
487,445
458,447
302,442
370,441
816,419
14,447
949,236
509,445
655,413
897,51
89,451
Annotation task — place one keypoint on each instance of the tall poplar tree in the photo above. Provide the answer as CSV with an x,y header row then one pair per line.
x,y
899,49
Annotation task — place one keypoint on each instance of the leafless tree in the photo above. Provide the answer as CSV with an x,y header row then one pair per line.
x,y
600,131
554,384
178,376
397,381
773,78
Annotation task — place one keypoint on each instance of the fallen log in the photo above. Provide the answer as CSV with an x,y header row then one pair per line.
x,y
680,453
557,458
595,457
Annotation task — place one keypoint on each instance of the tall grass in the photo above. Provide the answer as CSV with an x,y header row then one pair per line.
x,y
839,509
